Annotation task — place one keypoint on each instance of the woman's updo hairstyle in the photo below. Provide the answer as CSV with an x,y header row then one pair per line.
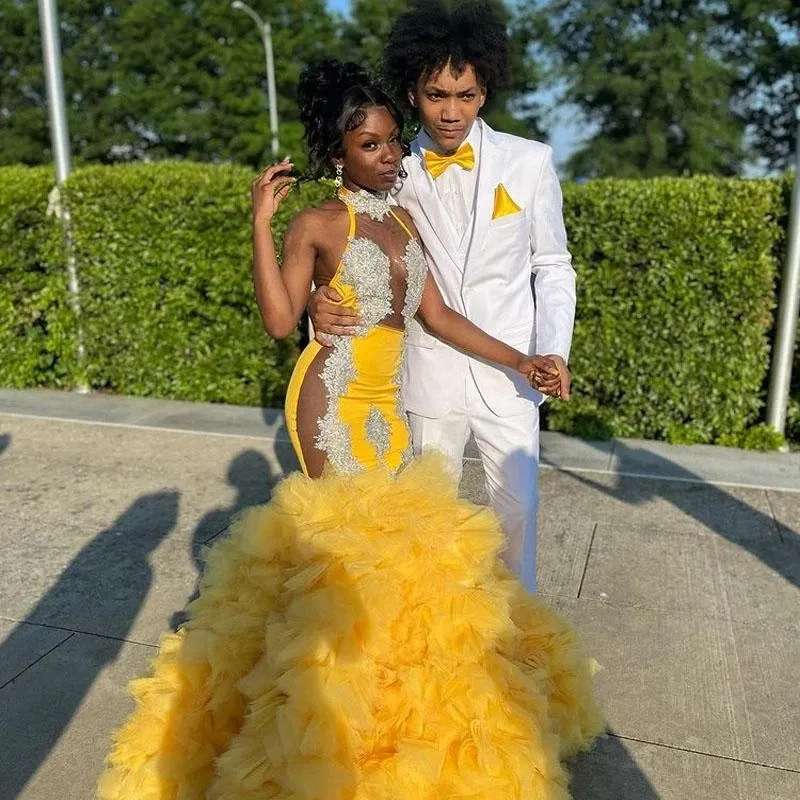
x,y
334,97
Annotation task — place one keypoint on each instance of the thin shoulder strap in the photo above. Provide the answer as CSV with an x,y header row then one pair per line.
x,y
352,214
402,224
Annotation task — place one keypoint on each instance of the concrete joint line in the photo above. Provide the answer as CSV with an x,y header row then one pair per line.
x,y
703,753
33,663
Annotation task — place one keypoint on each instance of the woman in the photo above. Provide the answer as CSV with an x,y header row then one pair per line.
x,y
358,637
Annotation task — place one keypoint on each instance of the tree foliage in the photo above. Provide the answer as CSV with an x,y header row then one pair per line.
x,y
157,78
153,79
764,38
665,86
655,91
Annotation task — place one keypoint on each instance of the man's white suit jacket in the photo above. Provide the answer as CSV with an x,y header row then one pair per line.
x,y
516,232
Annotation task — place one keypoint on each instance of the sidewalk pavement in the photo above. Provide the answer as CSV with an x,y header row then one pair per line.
x,y
680,567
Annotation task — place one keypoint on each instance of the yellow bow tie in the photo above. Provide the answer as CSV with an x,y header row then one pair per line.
x,y
436,164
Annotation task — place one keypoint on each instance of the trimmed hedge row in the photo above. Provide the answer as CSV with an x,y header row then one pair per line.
x,y
167,300
676,292
36,325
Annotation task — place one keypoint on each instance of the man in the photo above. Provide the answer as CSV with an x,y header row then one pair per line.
x,y
488,209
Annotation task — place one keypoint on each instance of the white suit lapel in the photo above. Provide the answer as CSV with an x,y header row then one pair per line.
x,y
431,206
490,174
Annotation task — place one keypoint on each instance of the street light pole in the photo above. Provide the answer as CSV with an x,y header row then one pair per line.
x,y
788,307
59,138
265,29
51,51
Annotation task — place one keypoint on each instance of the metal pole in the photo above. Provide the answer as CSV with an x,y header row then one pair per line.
x,y
51,50
265,29
59,137
273,96
788,308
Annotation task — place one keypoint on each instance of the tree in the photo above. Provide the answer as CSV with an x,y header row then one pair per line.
x,y
763,36
650,83
87,30
158,78
366,31
514,110
193,75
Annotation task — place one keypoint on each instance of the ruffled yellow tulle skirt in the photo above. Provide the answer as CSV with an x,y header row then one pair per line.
x,y
358,639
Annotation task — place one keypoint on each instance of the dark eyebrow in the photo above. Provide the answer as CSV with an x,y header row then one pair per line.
x,y
439,90
373,134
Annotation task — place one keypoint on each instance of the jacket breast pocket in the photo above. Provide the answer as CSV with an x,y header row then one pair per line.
x,y
511,225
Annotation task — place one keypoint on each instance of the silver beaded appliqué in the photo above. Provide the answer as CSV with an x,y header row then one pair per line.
x,y
376,206
366,268
334,435
400,409
416,271
378,431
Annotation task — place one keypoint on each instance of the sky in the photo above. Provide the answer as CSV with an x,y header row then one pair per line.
x,y
564,124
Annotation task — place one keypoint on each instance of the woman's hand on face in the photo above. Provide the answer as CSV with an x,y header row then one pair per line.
x,y
269,190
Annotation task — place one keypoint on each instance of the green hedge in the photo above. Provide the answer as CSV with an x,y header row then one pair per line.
x,y
167,300
676,293
36,330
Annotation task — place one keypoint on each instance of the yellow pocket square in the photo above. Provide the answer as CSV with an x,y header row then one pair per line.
x,y
503,204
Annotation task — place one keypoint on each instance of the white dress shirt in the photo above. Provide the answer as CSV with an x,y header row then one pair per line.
x,y
456,186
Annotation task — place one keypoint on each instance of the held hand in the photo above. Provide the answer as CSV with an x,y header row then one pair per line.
x,y
330,319
269,190
543,374
565,376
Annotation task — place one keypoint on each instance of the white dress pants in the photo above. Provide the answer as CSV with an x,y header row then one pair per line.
x,y
509,448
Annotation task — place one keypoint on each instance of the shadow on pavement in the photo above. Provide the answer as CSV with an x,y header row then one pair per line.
x,y
252,477
608,772
709,505
106,581
5,442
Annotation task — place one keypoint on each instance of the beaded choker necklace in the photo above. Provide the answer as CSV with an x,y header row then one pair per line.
x,y
364,202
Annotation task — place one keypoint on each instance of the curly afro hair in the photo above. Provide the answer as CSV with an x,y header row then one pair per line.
x,y
333,98
432,35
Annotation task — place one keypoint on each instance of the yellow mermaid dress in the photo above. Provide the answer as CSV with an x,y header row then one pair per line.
x,y
358,637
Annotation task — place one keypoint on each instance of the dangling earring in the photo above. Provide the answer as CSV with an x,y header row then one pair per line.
x,y
401,176
337,181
